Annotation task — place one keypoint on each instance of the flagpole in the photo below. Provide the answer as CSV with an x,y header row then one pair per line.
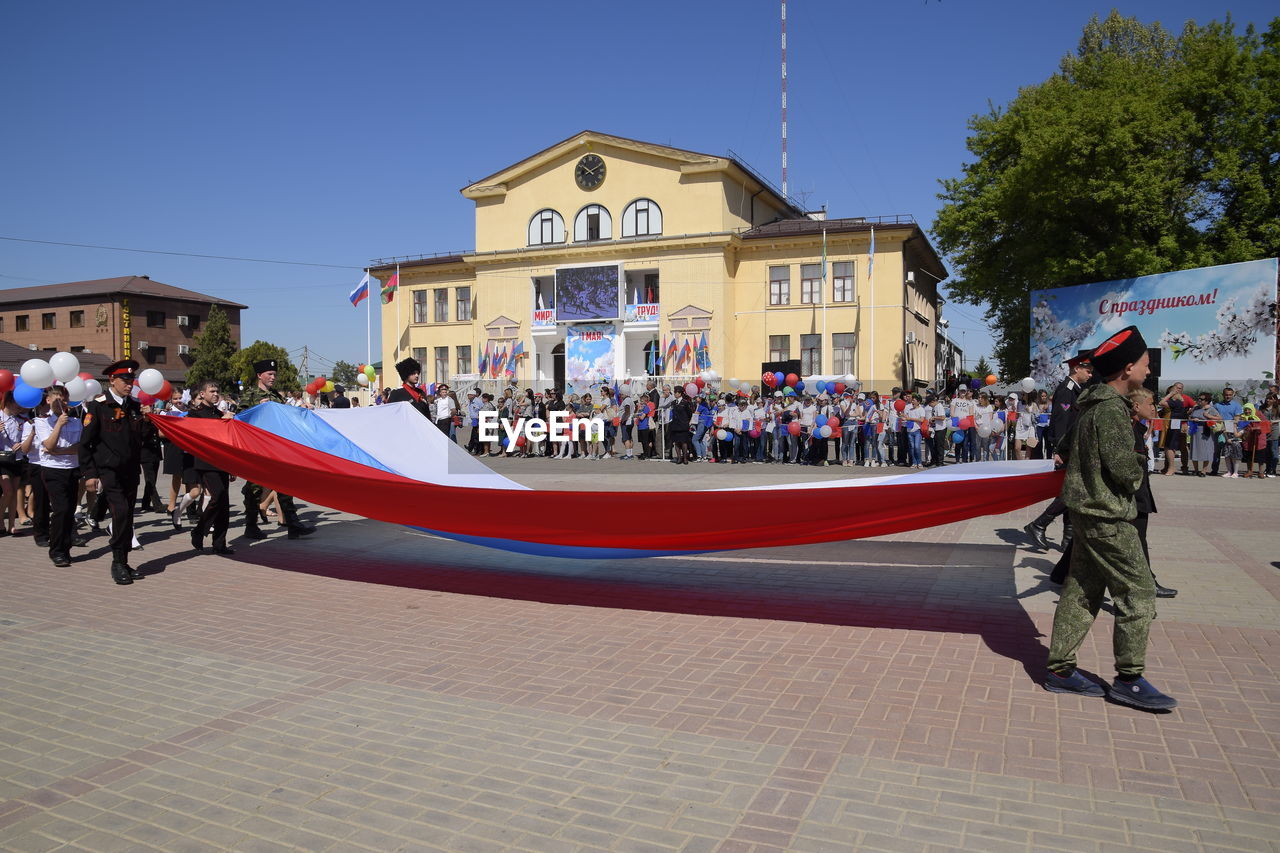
x,y
393,296
823,284
368,324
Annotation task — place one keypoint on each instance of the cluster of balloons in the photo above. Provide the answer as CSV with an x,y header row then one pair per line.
x,y
151,386
790,384
319,385
365,374
62,368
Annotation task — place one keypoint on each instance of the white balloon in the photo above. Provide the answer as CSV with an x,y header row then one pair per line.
x,y
745,386
691,388
824,431
362,380
92,388
76,388
37,373
1028,384
65,366
721,434
711,374
151,381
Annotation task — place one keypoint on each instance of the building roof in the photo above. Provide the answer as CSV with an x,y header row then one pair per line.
x,y
140,285
12,356
815,227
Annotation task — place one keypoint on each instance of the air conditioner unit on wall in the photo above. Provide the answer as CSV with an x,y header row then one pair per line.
x,y
184,320
911,337
183,349
143,345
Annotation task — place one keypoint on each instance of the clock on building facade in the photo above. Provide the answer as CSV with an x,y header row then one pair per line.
x,y
590,172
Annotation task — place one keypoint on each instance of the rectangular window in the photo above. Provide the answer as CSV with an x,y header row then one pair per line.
x,y
77,349
77,319
651,287
1,325
157,355
810,284
842,346
464,305
155,319
779,285
419,306
779,347
49,320
420,355
464,359
442,305
842,281
22,323
442,364
593,226
810,354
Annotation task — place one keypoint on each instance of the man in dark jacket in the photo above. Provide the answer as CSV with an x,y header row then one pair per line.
x,y
1061,418
110,460
1103,475
264,391
216,516
410,370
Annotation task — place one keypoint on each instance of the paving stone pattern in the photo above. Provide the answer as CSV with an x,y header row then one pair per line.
x,y
375,688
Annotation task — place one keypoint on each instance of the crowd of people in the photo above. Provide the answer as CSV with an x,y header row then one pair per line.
x,y
67,470
647,421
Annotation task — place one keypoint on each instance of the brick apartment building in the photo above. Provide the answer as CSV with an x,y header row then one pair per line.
x,y
124,317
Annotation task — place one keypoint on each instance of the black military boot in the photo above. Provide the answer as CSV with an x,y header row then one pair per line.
x,y
120,573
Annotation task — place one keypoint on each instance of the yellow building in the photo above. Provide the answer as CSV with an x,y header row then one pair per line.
x,y
613,248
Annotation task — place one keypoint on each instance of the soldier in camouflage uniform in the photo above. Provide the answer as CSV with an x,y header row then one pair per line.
x,y
1103,473
264,392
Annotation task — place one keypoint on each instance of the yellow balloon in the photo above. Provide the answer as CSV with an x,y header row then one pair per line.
x,y
328,387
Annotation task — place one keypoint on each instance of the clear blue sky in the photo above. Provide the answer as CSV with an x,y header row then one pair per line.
x,y
333,133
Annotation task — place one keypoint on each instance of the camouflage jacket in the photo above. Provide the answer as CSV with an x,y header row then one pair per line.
x,y
1103,472
255,395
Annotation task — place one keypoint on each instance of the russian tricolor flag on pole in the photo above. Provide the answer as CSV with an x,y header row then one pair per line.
x,y
361,292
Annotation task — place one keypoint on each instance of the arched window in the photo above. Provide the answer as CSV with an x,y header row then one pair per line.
x,y
592,223
642,218
546,226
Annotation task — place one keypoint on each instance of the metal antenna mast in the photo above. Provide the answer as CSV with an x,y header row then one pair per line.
x,y
784,99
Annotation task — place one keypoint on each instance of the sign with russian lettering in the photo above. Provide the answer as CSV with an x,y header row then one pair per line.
x,y
126,329
588,356
544,318
645,312
1212,324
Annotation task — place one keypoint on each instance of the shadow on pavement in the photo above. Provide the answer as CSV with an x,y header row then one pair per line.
x,y
942,587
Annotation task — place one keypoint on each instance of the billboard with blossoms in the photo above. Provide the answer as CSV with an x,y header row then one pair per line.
x,y
1214,324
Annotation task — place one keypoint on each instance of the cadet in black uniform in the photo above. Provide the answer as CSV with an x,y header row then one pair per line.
x,y
410,371
216,516
1061,418
110,454
265,392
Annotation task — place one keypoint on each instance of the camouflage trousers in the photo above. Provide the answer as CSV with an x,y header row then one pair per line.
x,y
1107,557
254,494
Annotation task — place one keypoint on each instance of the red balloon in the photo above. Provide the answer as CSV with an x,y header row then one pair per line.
x,y
899,405
966,423
6,381
742,393
840,386
1187,401
769,379
166,391
85,375
792,379
833,422
521,441
793,428
146,399
700,382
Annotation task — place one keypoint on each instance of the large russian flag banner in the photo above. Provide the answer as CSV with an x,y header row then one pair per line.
x,y
361,291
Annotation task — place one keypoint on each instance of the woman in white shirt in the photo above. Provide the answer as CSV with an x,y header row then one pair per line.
x,y
11,466
59,436
984,419
914,414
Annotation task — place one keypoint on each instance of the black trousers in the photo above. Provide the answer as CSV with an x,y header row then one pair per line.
x,y
216,516
120,489
150,470
39,502
61,485
1053,510
938,439
253,495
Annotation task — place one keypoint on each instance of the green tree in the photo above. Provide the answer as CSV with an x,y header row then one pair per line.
x,y
213,352
286,372
982,369
1145,153
344,373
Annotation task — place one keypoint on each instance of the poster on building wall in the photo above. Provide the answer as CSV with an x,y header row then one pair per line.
x,y
643,312
588,357
1213,325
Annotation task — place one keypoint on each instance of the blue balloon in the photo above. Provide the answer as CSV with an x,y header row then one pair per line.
x,y
503,441
820,420
831,387
958,437
799,384
780,376
26,396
